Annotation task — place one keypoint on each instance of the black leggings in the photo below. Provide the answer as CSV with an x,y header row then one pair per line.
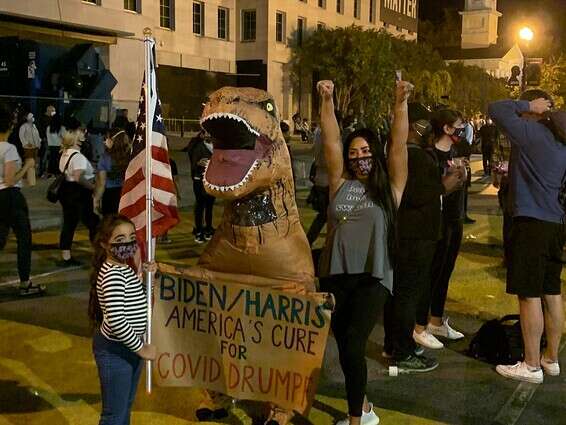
x,y
76,201
14,214
443,264
359,303
203,206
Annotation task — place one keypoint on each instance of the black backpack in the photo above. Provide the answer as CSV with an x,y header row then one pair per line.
x,y
499,341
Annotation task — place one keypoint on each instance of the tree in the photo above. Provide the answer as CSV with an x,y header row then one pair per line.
x,y
553,80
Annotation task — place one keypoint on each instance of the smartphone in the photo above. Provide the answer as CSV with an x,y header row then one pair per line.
x,y
398,75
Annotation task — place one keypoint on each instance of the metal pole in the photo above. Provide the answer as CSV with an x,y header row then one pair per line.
x,y
148,41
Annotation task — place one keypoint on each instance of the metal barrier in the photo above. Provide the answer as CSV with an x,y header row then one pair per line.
x,y
181,126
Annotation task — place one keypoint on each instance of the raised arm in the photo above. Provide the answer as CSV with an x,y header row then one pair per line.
x,y
506,114
397,147
330,135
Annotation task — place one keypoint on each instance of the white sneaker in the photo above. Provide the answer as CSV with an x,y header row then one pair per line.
x,y
445,330
521,372
427,340
550,368
368,418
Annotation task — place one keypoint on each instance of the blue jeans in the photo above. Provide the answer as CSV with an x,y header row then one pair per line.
x,y
119,372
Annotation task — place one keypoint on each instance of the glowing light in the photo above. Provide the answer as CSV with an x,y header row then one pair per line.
x,y
526,34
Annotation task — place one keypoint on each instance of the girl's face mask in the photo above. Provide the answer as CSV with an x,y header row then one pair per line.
x,y
124,251
458,135
361,166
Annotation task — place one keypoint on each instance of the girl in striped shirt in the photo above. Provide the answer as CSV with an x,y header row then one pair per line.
x,y
118,311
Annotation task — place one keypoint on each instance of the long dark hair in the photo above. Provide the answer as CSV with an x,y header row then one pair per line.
x,y
103,236
441,118
55,124
120,152
379,187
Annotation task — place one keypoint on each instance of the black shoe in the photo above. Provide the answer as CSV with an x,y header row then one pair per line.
x,y
220,413
469,220
199,238
417,364
208,232
71,262
31,289
204,415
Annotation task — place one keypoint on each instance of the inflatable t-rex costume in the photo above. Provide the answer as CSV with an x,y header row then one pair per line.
x,y
261,235
260,241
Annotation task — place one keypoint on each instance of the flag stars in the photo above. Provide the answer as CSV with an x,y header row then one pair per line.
x,y
139,138
159,118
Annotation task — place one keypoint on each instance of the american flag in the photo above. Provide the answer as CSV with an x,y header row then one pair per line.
x,y
133,198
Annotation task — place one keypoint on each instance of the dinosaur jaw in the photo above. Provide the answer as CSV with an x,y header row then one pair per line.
x,y
239,151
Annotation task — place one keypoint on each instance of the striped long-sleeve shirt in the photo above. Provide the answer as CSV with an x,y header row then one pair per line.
x,y
122,299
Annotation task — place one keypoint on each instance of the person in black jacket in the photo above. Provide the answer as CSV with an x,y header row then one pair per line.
x,y
200,151
418,221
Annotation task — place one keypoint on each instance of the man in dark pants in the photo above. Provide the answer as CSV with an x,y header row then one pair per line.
x,y
488,135
319,196
536,172
419,230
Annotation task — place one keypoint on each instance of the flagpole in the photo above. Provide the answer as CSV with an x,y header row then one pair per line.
x,y
148,192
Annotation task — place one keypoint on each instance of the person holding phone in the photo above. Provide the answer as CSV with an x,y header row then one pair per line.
x,y
448,129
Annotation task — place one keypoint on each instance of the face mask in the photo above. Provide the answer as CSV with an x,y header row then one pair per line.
x,y
361,166
123,251
108,143
458,135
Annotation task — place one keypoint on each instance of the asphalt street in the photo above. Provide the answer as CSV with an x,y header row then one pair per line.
x,y
48,376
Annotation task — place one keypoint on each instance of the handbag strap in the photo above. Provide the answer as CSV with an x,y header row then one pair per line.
x,y
68,162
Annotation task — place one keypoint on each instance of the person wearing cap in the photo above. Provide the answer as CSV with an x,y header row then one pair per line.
x,y
418,224
537,169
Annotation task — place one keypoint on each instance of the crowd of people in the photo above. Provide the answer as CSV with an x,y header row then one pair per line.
x,y
394,213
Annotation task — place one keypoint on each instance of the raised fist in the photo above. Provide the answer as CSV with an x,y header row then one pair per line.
x,y
325,89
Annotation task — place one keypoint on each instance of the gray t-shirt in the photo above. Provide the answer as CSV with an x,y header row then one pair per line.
x,y
8,152
357,242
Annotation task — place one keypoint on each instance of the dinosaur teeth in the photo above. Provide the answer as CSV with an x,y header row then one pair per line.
x,y
233,117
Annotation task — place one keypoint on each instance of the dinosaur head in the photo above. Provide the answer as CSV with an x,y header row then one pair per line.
x,y
249,149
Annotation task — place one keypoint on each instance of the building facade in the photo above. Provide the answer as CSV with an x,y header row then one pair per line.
x,y
201,46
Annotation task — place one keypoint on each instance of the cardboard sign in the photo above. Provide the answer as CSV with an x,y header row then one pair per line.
x,y
401,13
250,342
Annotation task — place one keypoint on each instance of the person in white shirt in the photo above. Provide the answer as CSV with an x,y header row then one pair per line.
x,y
30,138
76,192
54,134
14,213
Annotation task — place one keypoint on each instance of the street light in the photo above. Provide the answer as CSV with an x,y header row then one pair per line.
x,y
526,34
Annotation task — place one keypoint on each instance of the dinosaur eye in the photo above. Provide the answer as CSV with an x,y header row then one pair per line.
x,y
269,107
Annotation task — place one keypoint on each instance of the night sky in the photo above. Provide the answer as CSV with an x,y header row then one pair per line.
x,y
540,15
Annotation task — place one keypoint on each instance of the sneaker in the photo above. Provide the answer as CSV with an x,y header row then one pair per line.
x,y
387,354
521,372
427,340
417,364
445,331
208,233
71,262
550,368
32,289
368,418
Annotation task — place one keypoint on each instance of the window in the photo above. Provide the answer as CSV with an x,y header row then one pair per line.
x,y
357,9
248,25
133,5
198,18
166,13
320,26
372,11
223,23
280,27
322,3
340,6
301,23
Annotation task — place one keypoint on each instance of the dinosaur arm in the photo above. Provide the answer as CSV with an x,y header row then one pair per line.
x,y
332,145
397,152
